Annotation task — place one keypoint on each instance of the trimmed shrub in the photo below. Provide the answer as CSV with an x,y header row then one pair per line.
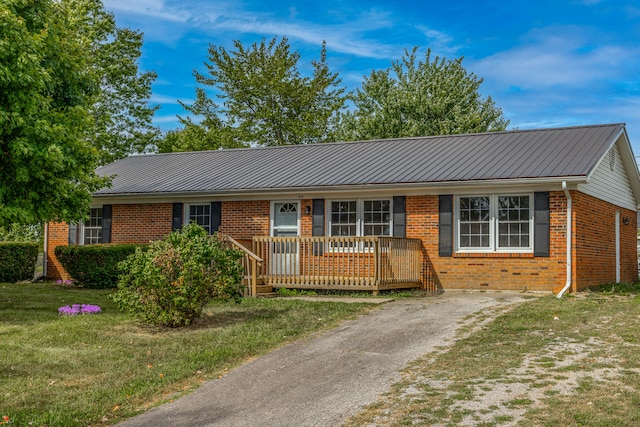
x,y
95,266
17,261
170,284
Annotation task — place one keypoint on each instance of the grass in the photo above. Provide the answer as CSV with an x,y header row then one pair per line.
x,y
574,361
67,371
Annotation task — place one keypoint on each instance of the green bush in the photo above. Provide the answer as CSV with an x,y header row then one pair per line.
x,y
170,284
17,261
95,266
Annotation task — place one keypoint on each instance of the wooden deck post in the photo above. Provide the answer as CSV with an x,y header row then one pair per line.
x,y
254,277
376,266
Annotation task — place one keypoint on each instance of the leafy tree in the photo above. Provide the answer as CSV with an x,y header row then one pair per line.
x,y
415,98
71,98
209,134
47,88
22,233
265,99
122,116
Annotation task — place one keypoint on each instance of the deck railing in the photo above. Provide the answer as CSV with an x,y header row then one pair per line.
x,y
353,263
251,264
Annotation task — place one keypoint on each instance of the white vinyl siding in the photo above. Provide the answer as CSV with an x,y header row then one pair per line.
x,y
611,185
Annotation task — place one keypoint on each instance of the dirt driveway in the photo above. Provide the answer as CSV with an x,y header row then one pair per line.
x,y
322,380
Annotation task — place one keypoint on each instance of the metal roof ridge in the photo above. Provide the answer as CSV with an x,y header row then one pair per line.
x,y
368,141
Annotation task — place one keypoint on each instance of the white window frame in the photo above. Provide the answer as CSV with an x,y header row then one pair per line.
x,y
187,215
82,227
359,214
494,222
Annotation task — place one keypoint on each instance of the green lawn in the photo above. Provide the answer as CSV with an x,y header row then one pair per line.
x,y
65,371
547,362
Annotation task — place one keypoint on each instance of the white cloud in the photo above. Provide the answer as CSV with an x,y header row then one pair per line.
x,y
344,32
344,37
438,41
165,119
149,8
164,99
554,57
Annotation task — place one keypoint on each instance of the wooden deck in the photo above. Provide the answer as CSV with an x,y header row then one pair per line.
x,y
340,263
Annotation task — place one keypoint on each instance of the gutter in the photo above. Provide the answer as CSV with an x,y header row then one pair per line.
x,y
569,240
409,188
46,244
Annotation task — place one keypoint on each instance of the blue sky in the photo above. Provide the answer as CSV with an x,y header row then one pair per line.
x,y
545,63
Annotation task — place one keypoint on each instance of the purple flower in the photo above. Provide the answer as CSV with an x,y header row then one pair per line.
x,y
76,309
59,282
90,309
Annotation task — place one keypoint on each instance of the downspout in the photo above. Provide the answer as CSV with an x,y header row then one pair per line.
x,y
569,240
46,244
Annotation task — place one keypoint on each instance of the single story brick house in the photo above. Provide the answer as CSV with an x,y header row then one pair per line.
x,y
546,210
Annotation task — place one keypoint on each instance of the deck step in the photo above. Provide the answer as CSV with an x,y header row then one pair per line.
x,y
264,289
268,295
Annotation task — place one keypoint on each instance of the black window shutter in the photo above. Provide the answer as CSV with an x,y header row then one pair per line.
x,y
317,224
176,223
399,216
73,234
445,222
318,218
216,216
541,221
105,236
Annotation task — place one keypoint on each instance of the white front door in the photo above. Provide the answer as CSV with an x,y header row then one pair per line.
x,y
284,257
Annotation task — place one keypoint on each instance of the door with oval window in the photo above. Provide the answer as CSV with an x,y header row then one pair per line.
x,y
284,257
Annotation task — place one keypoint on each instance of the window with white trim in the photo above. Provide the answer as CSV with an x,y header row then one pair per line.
x,y
488,223
91,229
360,217
200,214
515,221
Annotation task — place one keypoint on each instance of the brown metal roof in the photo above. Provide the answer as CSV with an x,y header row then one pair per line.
x,y
520,154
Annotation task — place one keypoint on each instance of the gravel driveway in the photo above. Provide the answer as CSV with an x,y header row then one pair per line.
x,y
324,379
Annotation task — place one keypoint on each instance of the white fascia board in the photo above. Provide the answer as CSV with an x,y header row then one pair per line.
x,y
612,142
381,190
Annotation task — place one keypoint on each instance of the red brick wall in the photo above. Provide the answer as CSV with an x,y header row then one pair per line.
x,y
244,219
141,223
135,223
306,221
486,271
595,236
593,257
57,235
